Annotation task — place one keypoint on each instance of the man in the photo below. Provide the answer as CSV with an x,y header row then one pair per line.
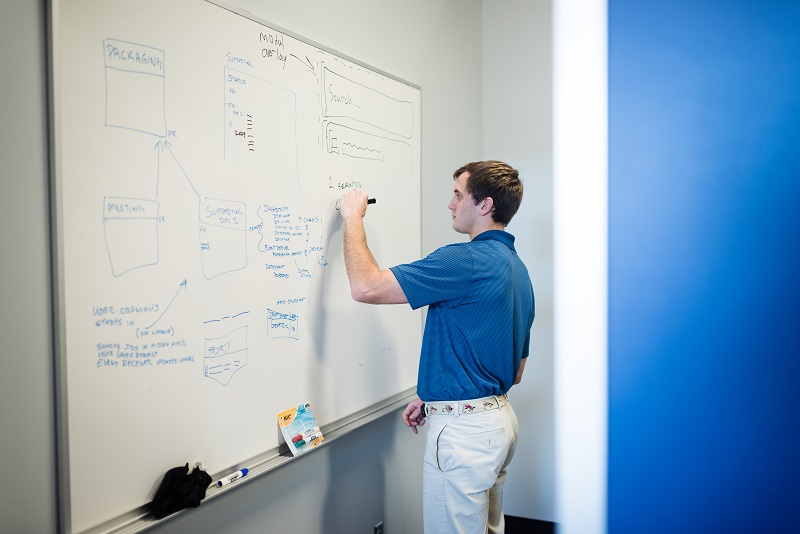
x,y
476,341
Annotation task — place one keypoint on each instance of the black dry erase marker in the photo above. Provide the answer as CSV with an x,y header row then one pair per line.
x,y
369,201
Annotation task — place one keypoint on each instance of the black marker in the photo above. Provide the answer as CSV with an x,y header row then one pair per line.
x,y
369,201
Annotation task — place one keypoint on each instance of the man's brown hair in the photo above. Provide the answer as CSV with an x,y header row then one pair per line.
x,y
497,180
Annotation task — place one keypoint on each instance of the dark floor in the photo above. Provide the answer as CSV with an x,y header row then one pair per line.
x,y
522,525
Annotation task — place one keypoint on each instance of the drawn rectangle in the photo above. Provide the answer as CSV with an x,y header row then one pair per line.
x,y
134,76
225,355
346,98
280,325
223,244
130,227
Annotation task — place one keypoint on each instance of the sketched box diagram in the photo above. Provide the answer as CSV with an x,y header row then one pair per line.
x,y
130,227
345,98
281,325
225,355
223,246
134,87
361,122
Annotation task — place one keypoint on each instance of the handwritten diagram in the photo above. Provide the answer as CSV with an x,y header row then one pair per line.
x,y
259,117
281,325
363,123
131,232
222,236
134,79
223,356
265,120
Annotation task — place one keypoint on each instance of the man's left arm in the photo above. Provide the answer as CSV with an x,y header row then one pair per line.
x,y
368,283
414,414
518,379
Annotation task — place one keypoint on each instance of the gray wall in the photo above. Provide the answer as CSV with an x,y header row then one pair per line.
x,y
517,120
373,473
27,434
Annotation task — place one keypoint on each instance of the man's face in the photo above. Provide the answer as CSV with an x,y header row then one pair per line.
x,y
465,212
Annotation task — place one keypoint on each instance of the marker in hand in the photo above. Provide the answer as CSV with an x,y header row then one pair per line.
x,y
232,477
369,201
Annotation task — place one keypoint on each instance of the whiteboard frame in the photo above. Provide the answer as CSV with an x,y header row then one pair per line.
x,y
136,520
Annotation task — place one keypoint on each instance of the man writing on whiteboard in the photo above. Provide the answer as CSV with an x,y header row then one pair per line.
x,y
476,341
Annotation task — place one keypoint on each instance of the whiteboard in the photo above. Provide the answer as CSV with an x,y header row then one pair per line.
x,y
198,157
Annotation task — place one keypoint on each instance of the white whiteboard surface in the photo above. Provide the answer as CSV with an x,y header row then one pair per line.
x,y
198,155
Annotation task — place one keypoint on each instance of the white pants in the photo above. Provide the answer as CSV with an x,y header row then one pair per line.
x,y
464,471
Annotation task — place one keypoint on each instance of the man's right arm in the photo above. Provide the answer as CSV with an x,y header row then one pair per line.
x,y
368,283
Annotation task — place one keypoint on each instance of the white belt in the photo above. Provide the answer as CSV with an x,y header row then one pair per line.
x,y
485,404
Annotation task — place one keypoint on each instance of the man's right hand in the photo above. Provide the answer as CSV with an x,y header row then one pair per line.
x,y
353,203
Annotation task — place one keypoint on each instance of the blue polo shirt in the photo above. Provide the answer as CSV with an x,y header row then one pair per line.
x,y
480,313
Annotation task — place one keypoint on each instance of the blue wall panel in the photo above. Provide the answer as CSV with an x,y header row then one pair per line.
x,y
704,266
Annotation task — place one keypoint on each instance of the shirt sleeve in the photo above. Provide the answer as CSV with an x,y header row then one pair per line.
x,y
444,275
526,348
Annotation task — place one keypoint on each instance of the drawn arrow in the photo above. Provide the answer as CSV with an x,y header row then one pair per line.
x,y
182,286
159,148
306,63
168,147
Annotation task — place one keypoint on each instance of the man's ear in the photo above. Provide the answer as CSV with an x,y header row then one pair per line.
x,y
486,206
